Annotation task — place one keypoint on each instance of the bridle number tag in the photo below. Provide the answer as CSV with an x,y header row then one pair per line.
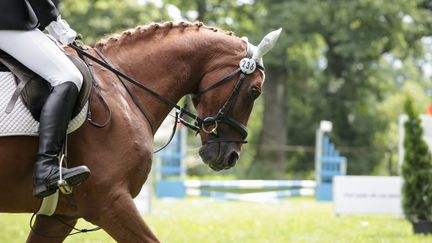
x,y
247,65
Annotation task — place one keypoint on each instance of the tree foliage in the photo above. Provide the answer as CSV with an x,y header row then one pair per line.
x,y
416,170
344,61
95,19
230,15
331,56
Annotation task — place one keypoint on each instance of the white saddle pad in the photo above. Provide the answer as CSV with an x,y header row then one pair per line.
x,y
20,121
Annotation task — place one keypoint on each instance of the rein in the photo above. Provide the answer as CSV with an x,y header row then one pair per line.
x,y
200,124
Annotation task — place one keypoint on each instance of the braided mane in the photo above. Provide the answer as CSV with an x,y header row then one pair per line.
x,y
154,28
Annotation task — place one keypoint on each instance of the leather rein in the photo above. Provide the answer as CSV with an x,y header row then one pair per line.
x,y
199,124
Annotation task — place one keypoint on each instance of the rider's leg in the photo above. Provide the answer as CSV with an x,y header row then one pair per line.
x,y
54,119
39,53
36,51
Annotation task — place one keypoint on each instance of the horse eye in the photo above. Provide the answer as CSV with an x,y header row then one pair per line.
x,y
254,92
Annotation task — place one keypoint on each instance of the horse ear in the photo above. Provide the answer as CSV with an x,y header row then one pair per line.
x,y
266,44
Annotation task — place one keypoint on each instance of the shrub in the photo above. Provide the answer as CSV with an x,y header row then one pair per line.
x,y
416,170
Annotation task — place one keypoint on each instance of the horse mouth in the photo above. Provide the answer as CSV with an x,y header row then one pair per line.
x,y
219,156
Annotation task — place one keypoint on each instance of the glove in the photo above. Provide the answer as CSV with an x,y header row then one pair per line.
x,y
61,31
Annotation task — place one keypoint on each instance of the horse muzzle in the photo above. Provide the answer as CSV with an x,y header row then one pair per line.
x,y
220,156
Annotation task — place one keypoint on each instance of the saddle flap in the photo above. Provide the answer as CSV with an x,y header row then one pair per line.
x,y
36,90
86,87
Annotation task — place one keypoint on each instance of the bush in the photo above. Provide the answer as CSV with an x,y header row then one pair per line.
x,y
416,170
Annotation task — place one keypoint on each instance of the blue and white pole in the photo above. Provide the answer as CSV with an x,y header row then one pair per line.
x,y
325,126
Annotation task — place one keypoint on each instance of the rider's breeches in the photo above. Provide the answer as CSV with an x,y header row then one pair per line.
x,y
40,54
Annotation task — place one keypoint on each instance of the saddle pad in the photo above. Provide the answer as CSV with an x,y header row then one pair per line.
x,y
20,121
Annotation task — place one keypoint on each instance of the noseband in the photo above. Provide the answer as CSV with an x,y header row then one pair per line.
x,y
247,66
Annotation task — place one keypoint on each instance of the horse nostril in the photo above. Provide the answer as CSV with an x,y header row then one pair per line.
x,y
232,158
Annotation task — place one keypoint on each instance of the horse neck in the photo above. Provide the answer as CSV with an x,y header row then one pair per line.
x,y
172,64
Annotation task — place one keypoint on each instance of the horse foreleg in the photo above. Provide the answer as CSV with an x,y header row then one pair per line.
x,y
122,221
48,229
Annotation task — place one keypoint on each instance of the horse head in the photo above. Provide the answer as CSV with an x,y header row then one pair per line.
x,y
225,103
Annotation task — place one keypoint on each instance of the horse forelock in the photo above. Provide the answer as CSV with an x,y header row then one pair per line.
x,y
152,29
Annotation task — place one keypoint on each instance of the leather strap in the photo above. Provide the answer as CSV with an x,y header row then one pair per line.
x,y
98,92
16,94
129,90
23,77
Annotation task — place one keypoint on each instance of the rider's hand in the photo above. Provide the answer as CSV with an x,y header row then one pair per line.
x,y
61,31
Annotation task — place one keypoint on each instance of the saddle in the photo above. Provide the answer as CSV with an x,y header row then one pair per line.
x,y
34,90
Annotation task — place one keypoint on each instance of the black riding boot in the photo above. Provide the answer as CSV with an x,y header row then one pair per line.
x,y
55,116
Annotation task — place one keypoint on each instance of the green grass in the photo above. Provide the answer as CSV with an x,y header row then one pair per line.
x,y
202,220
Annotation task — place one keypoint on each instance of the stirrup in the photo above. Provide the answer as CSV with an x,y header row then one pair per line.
x,y
63,186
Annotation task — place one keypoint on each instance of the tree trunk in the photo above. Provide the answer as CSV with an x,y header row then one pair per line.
x,y
202,10
270,156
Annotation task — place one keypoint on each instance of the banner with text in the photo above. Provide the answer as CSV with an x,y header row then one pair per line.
x,y
367,194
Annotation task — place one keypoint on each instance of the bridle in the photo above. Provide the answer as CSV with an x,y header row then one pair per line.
x,y
222,115
247,66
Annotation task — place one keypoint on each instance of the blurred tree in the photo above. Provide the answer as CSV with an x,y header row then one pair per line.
x,y
238,16
336,60
95,19
390,110
341,83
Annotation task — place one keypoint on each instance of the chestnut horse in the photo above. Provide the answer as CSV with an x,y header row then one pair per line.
x,y
171,59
